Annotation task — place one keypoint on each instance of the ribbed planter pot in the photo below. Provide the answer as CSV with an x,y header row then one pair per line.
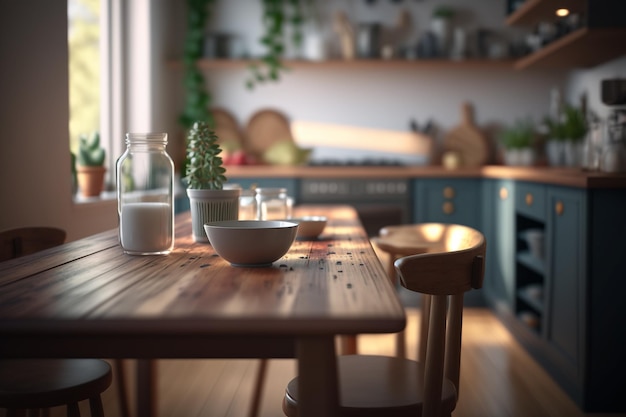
x,y
211,206
90,180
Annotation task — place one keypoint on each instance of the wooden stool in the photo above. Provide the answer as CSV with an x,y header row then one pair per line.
x,y
33,384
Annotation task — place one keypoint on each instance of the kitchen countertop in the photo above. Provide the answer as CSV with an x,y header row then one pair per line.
x,y
571,177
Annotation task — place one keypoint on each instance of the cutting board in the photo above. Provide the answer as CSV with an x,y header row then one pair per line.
x,y
467,140
266,127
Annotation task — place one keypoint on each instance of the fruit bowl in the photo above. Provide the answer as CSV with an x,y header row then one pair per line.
x,y
251,242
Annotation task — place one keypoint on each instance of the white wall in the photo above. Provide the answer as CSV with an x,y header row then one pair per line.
x,y
35,187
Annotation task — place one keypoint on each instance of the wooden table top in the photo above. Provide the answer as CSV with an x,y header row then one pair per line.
x,y
74,300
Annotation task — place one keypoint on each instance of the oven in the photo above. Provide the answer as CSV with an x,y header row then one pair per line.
x,y
378,202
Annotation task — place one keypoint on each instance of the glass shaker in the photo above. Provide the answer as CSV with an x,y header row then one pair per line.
x,y
614,155
272,204
145,195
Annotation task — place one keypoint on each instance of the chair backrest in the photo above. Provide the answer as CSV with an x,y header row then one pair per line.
x,y
26,240
443,276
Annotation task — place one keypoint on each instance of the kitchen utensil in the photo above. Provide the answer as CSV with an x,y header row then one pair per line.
x,y
467,140
310,227
265,128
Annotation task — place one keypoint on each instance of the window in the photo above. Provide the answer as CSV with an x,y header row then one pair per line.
x,y
95,33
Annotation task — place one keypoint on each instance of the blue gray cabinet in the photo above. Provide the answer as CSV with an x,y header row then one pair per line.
x,y
448,200
499,227
567,309
566,238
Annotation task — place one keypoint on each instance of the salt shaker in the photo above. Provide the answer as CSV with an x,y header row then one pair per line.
x,y
145,191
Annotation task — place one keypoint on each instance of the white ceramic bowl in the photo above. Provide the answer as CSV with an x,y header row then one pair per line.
x,y
251,242
310,227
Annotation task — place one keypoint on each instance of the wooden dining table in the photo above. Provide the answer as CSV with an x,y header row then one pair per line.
x,y
87,298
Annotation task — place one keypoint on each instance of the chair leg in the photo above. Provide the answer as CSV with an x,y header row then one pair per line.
x,y
122,392
73,410
259,384
400,336
95,406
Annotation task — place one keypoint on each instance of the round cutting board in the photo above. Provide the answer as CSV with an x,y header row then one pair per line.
x,y
226,126
467,140
265,128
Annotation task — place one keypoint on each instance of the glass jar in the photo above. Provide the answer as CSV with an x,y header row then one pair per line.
x,y
145,195
272,204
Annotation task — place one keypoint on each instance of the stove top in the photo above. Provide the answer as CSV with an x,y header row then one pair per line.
x,y
357,162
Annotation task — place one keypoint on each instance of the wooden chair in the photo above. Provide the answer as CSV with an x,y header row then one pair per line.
x,y
404,240
393,386
27,384
26,240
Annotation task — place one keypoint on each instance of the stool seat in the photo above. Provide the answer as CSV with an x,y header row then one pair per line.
x,y
43,383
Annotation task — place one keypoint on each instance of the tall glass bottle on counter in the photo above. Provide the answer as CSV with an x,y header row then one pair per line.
x,y
145,195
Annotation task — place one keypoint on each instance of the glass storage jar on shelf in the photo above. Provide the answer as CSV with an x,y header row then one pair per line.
x,y
145,195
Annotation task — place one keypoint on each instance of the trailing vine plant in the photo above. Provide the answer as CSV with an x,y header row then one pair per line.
x,y
197,97
277,14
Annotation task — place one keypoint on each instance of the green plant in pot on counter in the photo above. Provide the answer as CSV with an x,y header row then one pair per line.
x,y
518,141
90,168
565,137
205,178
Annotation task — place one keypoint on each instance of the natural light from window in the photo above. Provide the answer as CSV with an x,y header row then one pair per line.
x,y
84,68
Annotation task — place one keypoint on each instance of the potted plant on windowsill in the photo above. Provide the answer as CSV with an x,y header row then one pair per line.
x,y
90,168
205,179
518,141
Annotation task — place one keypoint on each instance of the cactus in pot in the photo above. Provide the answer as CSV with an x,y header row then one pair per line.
x,y
90,168
205,181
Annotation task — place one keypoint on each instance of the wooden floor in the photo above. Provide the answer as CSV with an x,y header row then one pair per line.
x,y
498,378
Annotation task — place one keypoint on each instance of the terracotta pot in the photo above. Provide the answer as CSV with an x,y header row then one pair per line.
x,y
90,180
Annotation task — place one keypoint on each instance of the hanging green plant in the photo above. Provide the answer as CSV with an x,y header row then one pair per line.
x,y
197,97
276,15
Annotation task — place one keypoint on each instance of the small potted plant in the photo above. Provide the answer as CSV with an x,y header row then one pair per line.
x,y
518,141
205,179
565,137
90,168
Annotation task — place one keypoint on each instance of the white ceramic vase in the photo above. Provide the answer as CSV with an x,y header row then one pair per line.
x,y
210,206
519,157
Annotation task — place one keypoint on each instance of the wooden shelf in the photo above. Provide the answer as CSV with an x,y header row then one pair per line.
x,y
580,49
207,63
583,48
532,12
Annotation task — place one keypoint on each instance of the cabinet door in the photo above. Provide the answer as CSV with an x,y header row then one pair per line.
x,y
448,201
499,229
567,237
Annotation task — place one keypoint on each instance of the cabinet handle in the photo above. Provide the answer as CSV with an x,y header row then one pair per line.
x,y
504,193
559,207
448,192
529,199
448,207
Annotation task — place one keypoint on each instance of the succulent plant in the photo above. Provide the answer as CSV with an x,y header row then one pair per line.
x,y
90,153
204,169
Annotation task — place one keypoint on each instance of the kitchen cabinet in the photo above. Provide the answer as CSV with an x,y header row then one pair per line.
x,y
499,226
565,292
597,42
448,200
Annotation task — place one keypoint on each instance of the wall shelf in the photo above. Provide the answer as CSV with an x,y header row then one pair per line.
x,y
583,48
223,63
